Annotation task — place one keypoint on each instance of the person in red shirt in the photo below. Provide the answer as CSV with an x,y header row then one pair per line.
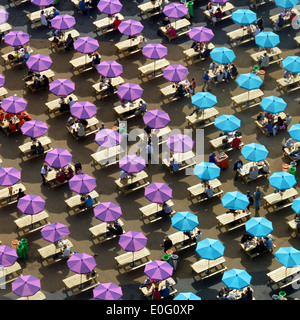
x,y
156,294
218,13
236,142
1,115
21,122
8,115
12,127
172,32
116,22
60,177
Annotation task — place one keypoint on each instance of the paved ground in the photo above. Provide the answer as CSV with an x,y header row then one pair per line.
x,y
206,290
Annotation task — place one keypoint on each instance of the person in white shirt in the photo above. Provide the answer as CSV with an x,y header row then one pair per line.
x,y
44,171
288,120
256,31
289,143
44,20
213,66
80,132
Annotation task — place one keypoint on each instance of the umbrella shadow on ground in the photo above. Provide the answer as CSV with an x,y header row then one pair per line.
x,y
162,225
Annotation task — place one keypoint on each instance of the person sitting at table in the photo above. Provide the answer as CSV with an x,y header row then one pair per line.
x,y
260,247
142,108
45,82
24,58
12,127
80,131
260,117
84,8
58,33
260,23
146,284
78,168
219,76
213,66
268,243
288,144
63,106
295,154
166,22
156,293
288,120
69,43
55,12
265,167
269,127
264,61
293,14
115,228
21,193
69,173
180,91
110,88
218,14
246,237
60,177
65,252
167,244
39,148
236,142
96,59
226,73
253,172
116,22
37,82
171,31
287,75
166,211
233,70
249,293
29,76
209,192
174,165
123,175
209,6
45,19
280,22
165,292
93,3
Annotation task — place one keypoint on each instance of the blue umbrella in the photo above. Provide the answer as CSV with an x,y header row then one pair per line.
x,y
259,226
291,64
254,152
186,296
296,205
286,4
184,221
273,104
249,81
282,180
295,131
236,279
210,249
267,39
204,100
227,123
235,200
288,256
244,16
207,171
222,55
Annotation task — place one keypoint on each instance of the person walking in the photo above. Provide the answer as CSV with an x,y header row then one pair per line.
x,y
44,171
206,80
250,199
257,198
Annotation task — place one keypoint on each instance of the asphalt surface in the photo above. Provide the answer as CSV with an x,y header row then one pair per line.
x,y
207,289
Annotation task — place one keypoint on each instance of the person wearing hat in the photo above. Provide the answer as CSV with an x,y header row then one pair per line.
x,y
212,158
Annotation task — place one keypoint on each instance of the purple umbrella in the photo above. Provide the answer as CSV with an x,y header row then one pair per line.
x,y
42,3
155,51
54,232
63,22
34,128
110,69
158,192
132,241
201,34
26,286
31,204
107,291
82,183
2,81
107,138
13,104
180,143
86,45
158,270
8,256
156,119
16,38
109,6
3,16
175,10
175,72
62,87
83,110
107,212
130,91
39,62
58,158
9,176
81,263
131,27
132,163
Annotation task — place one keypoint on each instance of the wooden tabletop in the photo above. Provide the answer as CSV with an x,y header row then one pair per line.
x,y
274,18
161,285
51,175
5,27
75,200
283,83
129,257
199,188
177,25
274,198
114,81
4,193
239,33
178,237
12,269
282,273
37,296
77,279
128,106
145,7
103,156
82,61
101,229
228,218
247,96
204,264
54,104
127,182
180,157
275,52
28,219
74,33
36,15
153,66
106,22
129,43
204,115
228,7
52,249
153,208
24,148
245,169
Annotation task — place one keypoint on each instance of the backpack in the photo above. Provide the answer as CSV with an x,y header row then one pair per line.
x,y
10,57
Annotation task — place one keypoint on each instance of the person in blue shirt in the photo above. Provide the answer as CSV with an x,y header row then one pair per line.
x,y
55,13
166,291
206,80
89,202
84,8
96,59
269,126
25,58
212,158
142,108
268,243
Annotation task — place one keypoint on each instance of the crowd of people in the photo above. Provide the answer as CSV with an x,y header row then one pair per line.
x,y
273,123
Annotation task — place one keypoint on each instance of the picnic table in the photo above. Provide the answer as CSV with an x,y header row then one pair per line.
x,y
128,47
37,296
247,100
169,93
79,283
257,3
293,226
297,39
3,93
240,36
261,124
191,56
101,233
82,64
236,294
30,223
208,268
130,261
27,152
132,184
147,291
74,203
54,106
221,146
280,200
18,2
105,25
107,157
5,124
90,128
231,221
181,241
101,93
227,13
274,55
153,70
250,246
35,17
150,8
12,272
287,151
286,19
203,118
5,27
245,169
8,199
29,84
50,178
290,84
59,46
186,160
196,191
181,26
150,211
128,111
13,63
48,254
283,276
